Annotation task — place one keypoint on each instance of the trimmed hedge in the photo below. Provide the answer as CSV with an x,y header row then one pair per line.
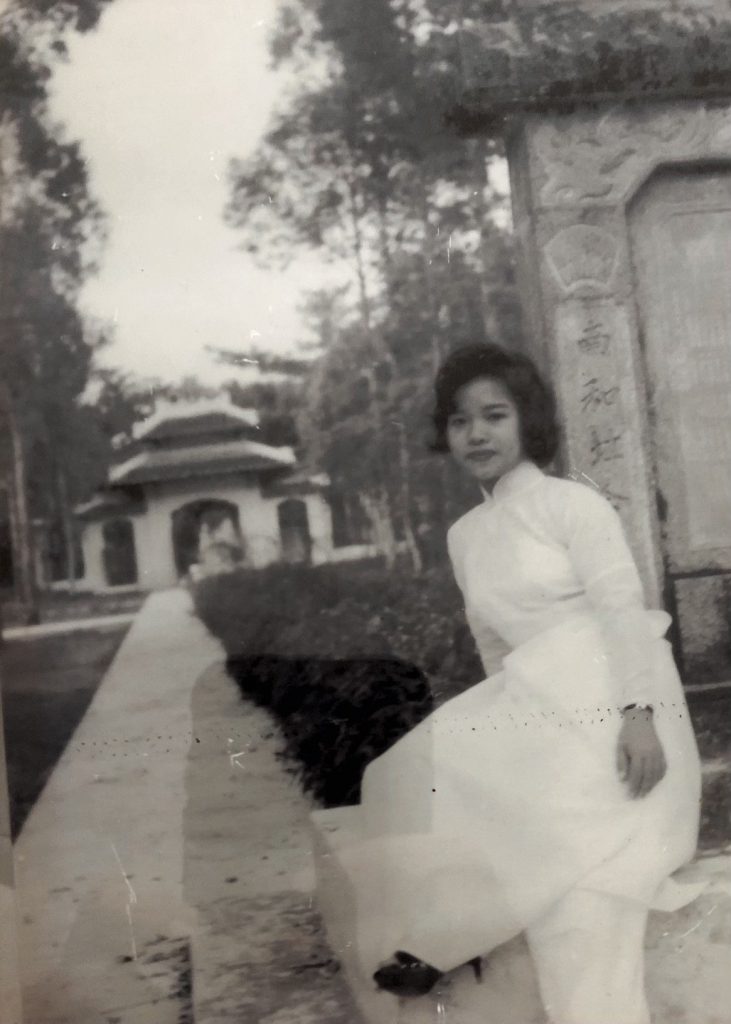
x,y
347,657
336,716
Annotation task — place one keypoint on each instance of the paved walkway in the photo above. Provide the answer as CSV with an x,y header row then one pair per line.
x,y
99,860
169,830
259,951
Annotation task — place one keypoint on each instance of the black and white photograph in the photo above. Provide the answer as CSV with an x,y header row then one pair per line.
x,y
365,511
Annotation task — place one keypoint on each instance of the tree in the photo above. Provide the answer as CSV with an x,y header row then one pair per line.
x,y
48,224
275,391
364,163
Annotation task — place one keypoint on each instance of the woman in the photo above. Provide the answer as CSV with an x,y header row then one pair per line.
x,y
557,796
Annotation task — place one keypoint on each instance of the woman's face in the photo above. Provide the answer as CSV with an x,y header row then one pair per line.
x,y
483,432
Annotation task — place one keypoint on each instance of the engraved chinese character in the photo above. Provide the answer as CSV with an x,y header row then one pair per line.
x,y
615,498
604,446
594,396
594,338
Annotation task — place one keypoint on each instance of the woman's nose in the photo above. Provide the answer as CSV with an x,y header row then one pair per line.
x,y
477,433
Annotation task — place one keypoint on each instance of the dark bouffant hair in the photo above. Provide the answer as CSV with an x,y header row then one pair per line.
x,y
533,398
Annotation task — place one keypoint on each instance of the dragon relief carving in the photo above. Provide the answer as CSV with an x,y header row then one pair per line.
x,y
584,159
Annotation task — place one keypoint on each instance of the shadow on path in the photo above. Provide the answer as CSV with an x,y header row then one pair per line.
x,y
259,952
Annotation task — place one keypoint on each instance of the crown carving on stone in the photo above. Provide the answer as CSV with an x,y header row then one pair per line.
x,y
582,257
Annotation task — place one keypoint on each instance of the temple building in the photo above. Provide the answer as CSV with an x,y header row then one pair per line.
x,y
196,493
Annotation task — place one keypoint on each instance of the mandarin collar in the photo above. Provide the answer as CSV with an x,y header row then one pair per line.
x,y
521,477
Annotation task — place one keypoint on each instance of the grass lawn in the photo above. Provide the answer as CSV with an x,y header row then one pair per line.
x,y
47,685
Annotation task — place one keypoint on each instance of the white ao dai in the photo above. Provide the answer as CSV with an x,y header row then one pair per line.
x,y
508,796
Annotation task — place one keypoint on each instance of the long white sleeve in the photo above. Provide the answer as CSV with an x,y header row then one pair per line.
x,y
605,567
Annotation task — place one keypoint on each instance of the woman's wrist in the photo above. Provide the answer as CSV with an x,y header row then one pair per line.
x,y
638,711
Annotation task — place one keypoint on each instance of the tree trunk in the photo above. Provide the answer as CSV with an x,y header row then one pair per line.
x,y
377,508
437,348
405,505
67,523
21,527
381,513
478,161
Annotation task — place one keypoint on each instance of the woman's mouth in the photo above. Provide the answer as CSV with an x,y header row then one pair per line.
x,y
480,456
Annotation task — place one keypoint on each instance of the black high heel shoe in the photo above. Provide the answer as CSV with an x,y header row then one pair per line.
x,y
407,976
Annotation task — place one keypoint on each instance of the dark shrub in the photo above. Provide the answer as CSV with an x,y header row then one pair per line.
x,y
343,655
336,716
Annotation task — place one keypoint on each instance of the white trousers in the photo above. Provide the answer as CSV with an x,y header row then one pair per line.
x,y
588,952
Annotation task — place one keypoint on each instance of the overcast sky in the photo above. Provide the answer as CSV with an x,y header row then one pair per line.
x,y
161,96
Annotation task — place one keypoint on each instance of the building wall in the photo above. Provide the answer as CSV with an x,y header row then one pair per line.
x,y
92,544
320,520
153,531
259,527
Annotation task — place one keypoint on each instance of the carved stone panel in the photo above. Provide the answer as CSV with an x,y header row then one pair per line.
x,y
681,230
582,259
584,159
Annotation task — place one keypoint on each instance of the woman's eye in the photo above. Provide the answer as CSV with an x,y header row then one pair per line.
x,y
495,417
456,421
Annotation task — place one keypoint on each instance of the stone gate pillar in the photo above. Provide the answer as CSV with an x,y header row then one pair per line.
x,y
617,121
572,176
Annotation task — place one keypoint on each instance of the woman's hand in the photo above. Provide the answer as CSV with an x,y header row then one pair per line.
x,y
640,758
